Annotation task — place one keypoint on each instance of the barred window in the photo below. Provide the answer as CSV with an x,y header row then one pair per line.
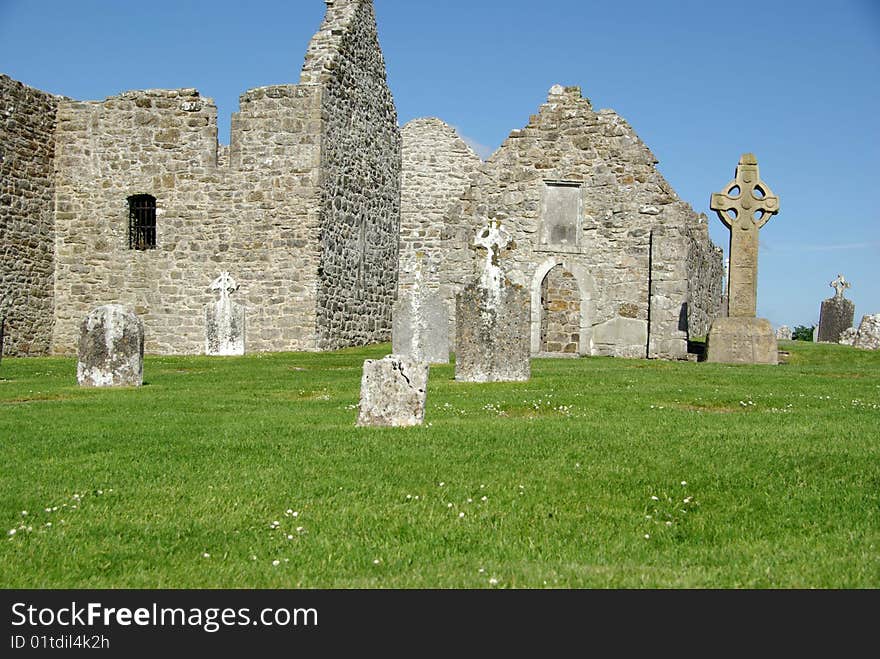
x,y
142,222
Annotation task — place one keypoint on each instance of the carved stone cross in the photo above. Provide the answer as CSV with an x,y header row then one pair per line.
x,y
225,284
745,205
493,239
840,285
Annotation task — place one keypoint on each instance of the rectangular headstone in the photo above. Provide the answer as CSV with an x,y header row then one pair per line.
x,y
420,327
224,328
742,341
111,348
393,392
836,316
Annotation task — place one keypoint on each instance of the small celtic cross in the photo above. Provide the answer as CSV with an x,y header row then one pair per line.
x,y
840,285
225,284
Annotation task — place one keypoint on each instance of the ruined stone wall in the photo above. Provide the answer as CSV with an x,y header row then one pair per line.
x,y
360,163
596,161
251,218
27,152
437,169
705,268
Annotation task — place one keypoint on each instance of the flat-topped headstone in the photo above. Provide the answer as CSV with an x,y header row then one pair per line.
x,y
744,206
868,336
420,322
493,319
837,312
224,320
783,333
393,392
111,348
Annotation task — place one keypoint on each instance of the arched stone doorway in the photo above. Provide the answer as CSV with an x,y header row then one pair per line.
x,y
560,313
562,308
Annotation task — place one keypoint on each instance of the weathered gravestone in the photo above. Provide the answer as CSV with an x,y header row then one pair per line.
x,y
868,336
848,336
224,320
783,333
493,319
837,312
745,205
420,323
393,392
111,348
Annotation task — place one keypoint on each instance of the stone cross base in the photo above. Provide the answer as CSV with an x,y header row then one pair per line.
x,y
742,341
224,328
111,348
420,327
393,392
492,341
836,316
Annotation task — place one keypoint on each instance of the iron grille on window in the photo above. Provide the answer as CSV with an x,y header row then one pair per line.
x,y
142,222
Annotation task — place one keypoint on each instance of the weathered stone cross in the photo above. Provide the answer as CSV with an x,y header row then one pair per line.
x,y
493,239
840,285
225,284
745,205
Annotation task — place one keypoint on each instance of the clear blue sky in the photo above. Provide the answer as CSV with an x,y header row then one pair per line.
x,y
701,81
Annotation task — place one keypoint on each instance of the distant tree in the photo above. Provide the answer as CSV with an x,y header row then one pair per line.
x,y
803,333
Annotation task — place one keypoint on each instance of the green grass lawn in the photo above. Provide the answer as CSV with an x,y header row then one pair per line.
x,y
250,473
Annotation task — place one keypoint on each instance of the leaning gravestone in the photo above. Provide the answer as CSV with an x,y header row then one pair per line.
x,y
837,312
745,205
868,337
493,318
224,320
420,323
393,392
111,348
783,333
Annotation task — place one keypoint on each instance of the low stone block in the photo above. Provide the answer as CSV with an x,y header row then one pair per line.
x,y
111,348
393,392
493,334
626,337
868,337
420,327
742,341
848,336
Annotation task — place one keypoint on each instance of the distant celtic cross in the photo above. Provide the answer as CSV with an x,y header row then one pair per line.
x,y
225,284
840,285
745,205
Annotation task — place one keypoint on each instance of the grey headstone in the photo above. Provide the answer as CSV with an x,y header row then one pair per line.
x,y
848,336
621,337
393,392
224,320
742,341
420,327
783,333
111,348
868,337
492,341
837,315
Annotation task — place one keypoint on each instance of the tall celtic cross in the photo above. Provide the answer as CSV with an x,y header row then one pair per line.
x,y
745,205
494,239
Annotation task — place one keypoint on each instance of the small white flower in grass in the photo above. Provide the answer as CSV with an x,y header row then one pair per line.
x,y
295,514
376,561
449,505
48,510
481,570
647,517
300,529
24,513
100,491
289,512
276,562
493,581
688,499
409,496
206,555
253,558
48,523
11,532
416,497
470,500
684,483
460,515
442,484
653,498
668,523
290,537
482,487
484,499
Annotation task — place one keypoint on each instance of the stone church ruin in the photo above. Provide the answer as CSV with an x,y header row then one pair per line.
x,y
131,201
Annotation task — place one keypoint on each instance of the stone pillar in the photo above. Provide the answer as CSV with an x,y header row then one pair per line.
x,y
111,348
493,320
224,320
837,313
745,205
393,392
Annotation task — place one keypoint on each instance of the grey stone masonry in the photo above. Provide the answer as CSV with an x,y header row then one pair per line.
x,y
111,348
783,333
848,336
27,204
225,321
868,336
578,190
393,392
492,342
